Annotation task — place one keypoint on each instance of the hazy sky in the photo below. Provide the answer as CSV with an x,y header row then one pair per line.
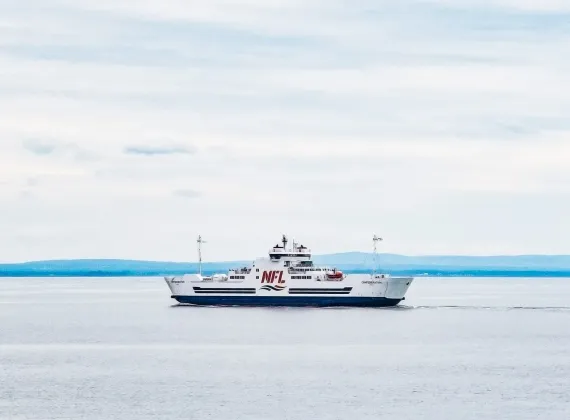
x,y
129,127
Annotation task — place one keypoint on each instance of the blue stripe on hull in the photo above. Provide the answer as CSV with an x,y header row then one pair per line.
x,y
314,301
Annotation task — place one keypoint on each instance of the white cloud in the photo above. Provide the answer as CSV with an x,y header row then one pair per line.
x,y
521,5
328,120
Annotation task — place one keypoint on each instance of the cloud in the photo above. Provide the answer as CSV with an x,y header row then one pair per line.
x,y
32,182
26,194
52,147
159,150
187,193
528,6
39,147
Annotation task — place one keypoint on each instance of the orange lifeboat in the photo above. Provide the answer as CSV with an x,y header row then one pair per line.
x,y
334,275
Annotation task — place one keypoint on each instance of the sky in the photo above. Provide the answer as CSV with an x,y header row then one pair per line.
x,y
129,127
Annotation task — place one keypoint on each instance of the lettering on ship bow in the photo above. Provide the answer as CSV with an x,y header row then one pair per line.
x,y
271,277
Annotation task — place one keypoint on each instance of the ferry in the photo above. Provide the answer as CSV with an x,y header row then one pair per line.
x,y
288,277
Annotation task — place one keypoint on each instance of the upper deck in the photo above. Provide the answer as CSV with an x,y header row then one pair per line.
x,y
294,253
296,259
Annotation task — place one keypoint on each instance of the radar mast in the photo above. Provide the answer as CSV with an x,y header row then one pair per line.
x,y
200,241
375,239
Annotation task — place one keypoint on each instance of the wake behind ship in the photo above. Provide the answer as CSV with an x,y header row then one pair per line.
x,y
288,277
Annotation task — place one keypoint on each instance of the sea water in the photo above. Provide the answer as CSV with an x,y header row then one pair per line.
x,y
120,348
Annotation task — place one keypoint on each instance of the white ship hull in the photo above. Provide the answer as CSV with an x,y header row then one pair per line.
x,y
353,290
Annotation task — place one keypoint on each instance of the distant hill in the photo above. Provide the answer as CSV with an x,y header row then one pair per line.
x,y
395,260
526,265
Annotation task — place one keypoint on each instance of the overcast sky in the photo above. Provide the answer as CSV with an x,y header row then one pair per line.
x,y
129,127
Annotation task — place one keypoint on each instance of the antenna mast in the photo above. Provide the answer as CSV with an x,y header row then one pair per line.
x,y
375,239
200,242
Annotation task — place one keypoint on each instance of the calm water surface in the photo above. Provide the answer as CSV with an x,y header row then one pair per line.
x,y
119,348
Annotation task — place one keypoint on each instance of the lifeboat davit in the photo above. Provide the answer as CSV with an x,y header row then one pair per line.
x,y
335,275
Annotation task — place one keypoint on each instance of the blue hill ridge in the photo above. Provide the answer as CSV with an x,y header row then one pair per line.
x,y
352,262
